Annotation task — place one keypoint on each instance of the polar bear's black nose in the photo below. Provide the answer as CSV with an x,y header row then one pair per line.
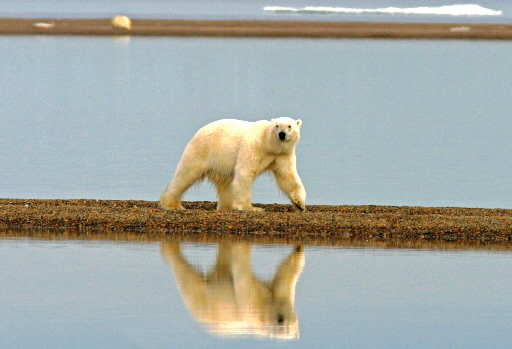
x,y
280,319
282,135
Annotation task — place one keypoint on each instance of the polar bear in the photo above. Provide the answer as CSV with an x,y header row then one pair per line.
x,y
230,300
231,154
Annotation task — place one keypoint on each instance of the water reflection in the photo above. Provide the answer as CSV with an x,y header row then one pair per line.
x,y
230,300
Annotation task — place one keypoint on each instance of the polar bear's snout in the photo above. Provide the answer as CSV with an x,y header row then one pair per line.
x,y
282,135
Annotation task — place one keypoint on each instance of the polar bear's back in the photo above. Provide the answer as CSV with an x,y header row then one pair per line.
x,y
218,143
231,127
226,128
227,134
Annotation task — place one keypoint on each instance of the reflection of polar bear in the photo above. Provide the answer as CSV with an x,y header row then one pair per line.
x,y
231,301
231,154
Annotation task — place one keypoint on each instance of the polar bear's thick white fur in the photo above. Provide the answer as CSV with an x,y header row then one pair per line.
x,y
231,300
231,154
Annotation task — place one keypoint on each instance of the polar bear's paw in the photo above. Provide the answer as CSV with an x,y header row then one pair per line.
x,y
300,206
171,205
257,209
247,208
298,198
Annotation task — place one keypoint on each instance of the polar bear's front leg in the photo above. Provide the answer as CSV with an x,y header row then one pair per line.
x,y
289,181
292,186
241,189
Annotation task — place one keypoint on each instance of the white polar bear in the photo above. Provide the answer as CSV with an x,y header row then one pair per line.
x,y
231,154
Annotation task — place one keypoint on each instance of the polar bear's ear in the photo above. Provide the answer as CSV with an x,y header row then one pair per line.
x,y
299,122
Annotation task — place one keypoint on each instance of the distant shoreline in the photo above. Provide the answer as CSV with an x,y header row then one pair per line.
x,y
319,224
257,28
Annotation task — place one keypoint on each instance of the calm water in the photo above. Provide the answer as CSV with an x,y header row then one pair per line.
x,y
385,122
72,294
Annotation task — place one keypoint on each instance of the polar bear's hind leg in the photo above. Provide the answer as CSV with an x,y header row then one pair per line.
x,y
186,175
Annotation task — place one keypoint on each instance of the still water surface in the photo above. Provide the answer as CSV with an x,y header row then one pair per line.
x,y
126,294
385,122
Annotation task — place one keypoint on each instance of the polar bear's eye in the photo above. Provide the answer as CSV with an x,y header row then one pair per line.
x,y
289,126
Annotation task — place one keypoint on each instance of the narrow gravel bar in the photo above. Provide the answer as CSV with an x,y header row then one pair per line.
x,y
278,222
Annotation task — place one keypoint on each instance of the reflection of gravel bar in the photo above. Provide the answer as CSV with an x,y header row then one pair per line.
x,y
278,221
237,28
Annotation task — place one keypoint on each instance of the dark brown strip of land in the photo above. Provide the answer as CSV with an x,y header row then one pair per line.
x,y
270,29
277,222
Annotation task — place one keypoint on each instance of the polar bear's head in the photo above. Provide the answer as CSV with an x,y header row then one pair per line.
x,y
286,129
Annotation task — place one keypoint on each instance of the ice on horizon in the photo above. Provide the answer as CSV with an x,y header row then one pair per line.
x,y
447,10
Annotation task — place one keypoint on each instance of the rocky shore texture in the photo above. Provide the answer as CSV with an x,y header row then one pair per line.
x,y
276,223
238,28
